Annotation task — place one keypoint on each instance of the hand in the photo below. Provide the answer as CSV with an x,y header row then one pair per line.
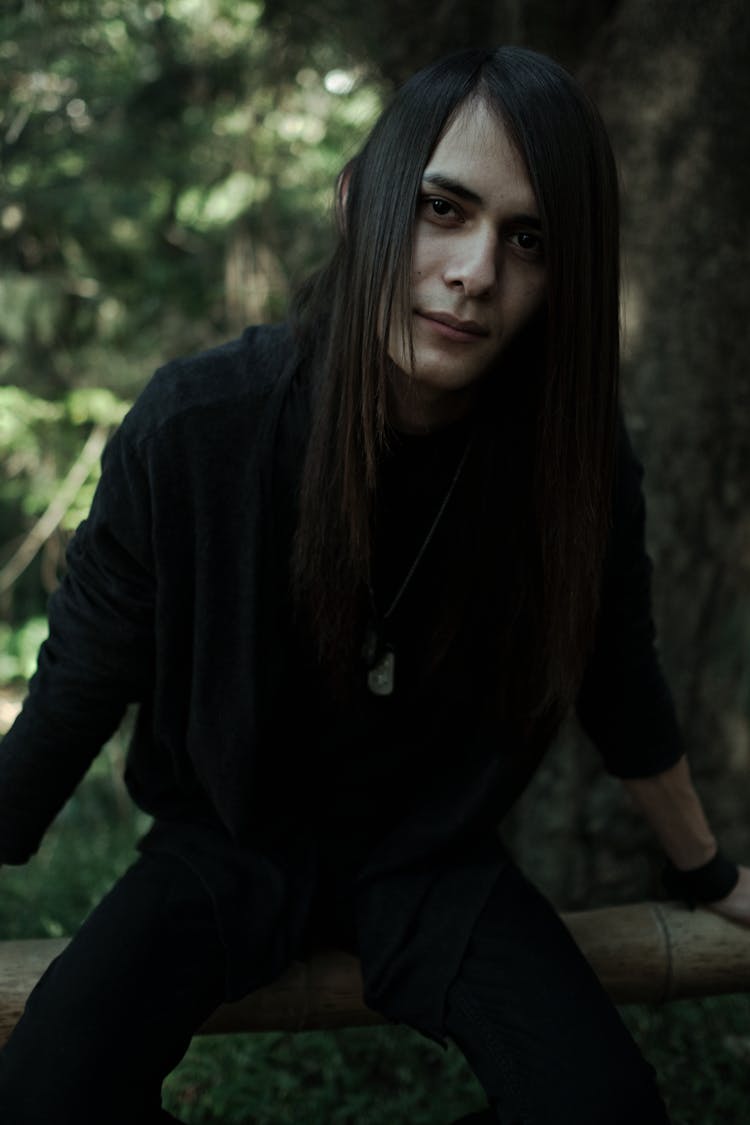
x,y
736,905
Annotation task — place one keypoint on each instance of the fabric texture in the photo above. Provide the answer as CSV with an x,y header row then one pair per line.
x,y
536,1026
147,968
115,1012
172,601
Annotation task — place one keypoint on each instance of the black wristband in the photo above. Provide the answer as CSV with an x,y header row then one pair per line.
x,y
712,881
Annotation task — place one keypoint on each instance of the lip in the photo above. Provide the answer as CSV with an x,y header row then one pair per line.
x,y
452,327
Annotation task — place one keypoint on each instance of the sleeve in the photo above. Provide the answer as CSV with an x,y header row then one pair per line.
x,y
625,704
98,656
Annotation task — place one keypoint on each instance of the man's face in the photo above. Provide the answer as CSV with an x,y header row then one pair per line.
x,y
478,271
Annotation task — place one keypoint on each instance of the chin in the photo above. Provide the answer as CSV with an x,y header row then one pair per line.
x,y
445,382
446,374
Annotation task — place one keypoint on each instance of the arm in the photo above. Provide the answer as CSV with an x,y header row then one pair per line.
x,y
673,809
625,704
95,661
626,707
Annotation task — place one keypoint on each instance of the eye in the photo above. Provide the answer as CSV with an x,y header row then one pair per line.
x,y
435,208
529,242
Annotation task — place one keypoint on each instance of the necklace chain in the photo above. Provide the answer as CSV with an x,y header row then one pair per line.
x,y
428,537
379,658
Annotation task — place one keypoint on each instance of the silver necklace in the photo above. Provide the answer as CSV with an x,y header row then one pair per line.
x,y
378,653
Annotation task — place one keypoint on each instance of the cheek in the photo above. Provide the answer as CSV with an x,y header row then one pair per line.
x,y
425,258
396,347
531,299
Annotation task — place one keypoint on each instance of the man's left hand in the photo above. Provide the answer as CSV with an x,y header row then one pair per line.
x,y
736,905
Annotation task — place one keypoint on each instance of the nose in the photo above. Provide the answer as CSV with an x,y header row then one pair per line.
x,y
473,265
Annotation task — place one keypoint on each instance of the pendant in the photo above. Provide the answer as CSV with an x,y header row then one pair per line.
x,y
371,644
380,676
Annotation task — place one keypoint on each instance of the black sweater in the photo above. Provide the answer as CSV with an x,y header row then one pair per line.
x,y
173,598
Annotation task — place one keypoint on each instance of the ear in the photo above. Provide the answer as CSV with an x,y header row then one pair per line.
x,y
342,195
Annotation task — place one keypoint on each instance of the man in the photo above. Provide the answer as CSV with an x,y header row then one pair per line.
x,y
355,572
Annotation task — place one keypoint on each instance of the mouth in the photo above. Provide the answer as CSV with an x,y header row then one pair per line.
x,y
452,326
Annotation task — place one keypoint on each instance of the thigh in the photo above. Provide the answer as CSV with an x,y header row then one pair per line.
x,y
115,1012
536,1026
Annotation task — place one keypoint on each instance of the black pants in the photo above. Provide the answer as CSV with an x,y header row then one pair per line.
x,y
536,1027
116,1012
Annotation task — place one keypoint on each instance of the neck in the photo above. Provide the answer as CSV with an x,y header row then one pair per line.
x,y
416,409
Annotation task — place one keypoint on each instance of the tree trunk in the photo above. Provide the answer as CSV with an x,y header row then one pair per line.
x,y
645,951
673,83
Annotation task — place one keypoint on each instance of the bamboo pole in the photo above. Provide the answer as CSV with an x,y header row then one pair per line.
x,y
644,952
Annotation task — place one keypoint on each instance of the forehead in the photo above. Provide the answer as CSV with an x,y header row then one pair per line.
x,y
478,150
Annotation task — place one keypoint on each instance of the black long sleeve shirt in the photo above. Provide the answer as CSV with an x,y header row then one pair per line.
x,y
171,600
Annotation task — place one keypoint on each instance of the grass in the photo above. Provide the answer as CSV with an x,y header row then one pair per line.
x,y
358,1076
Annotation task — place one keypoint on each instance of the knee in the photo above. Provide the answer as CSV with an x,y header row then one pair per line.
x,y
541,1065
616,1086
619,1093
42,1081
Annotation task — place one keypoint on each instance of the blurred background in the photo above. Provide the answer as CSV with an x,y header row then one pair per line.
x,y
166,173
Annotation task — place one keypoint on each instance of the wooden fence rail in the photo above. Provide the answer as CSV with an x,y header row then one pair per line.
x,y
645,952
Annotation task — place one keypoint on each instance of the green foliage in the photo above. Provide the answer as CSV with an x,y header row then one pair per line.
x,y
136,139
19,648
89,845
40,440
165,178
700,1049
357,1076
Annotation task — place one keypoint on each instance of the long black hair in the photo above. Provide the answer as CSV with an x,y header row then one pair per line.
x,y
563,374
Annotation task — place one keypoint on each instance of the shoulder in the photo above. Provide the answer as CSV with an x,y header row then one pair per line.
x,y
626,549
224,383
628,478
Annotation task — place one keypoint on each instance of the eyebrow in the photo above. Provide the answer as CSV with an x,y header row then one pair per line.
x,y
455,187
